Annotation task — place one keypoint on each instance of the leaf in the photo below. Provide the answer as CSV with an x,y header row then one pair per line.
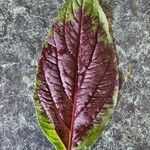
x,y
77,78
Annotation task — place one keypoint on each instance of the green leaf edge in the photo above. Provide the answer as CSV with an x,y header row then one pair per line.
x,y
44,123
95,133
66,12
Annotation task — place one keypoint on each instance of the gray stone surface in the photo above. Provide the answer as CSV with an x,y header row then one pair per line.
x,y
23,26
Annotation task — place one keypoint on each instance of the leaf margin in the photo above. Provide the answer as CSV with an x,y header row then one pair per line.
x,y
42,120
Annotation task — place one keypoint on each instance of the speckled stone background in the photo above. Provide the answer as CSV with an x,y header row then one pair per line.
x,y
23,26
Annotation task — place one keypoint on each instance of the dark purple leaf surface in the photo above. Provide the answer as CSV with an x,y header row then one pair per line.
x,y
78,76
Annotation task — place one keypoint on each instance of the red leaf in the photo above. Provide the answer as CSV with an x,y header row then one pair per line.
x,y
78,75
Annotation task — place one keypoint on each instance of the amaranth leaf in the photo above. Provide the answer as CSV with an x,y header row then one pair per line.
x,y
77,79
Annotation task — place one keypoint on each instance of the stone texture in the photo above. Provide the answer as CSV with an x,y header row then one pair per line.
x,y
23,26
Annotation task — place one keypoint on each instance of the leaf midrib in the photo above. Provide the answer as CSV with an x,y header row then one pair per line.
x,y
75,89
